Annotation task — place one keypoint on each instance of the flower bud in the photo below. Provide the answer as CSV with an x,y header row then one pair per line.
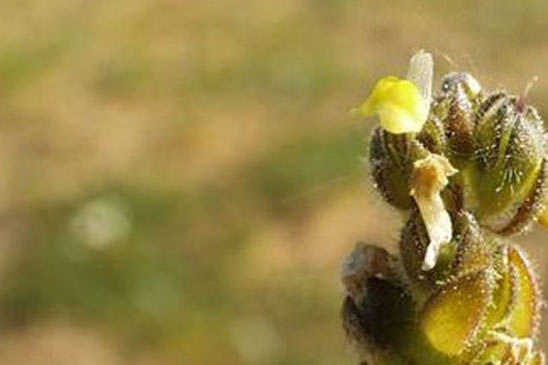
x,y
391,158
507,184
377,311
455,106
475,250
364,262
414,242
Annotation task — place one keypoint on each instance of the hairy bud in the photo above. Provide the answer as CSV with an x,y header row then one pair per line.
x,y
508,178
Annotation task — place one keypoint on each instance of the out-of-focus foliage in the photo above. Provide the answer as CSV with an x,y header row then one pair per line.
x,y
179,180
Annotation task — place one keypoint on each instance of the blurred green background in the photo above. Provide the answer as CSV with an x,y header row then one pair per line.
x,y
179,180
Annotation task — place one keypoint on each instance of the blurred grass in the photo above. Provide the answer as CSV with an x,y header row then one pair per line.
x,y
182,179
284,179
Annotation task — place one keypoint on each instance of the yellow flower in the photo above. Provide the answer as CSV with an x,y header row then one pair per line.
x,y
399,104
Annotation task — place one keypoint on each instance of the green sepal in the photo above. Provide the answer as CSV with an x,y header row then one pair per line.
x,y
453,316
524,317
391,157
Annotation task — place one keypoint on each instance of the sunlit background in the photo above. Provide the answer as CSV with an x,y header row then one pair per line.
x,y
180,179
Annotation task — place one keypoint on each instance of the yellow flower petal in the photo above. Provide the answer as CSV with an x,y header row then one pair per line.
x,y
399,104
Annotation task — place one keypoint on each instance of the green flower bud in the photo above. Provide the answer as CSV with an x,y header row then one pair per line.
x,y
475,250
455,106
391,157
413,244
507,184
